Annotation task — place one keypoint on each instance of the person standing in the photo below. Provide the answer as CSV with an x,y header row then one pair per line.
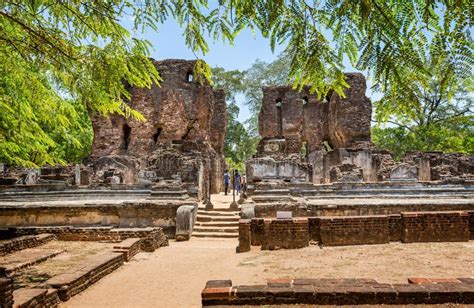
x,y
237,182
243,183
226,181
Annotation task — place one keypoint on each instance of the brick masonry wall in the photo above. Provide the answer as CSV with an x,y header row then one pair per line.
x,y
257,231
356,230
395,227
154,237
6,291
471,224
244,235
285,233
339,292
313,229
452,226
24,242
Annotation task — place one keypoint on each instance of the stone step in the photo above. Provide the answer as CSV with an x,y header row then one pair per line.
x,y
218,213
217,210
216,234
169,192
217,218
215,229
218,224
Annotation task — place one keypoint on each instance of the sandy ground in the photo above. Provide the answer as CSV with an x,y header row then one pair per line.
x,y
174,276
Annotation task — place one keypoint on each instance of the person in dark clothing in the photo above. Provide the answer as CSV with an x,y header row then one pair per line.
x,y
237,181
226,181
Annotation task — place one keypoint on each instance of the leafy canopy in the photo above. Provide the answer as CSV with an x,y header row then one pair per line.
x,y
57,54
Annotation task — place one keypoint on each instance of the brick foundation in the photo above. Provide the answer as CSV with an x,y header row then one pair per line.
x,y
338,292
244,235
471,224
24,242
395,227
129,247
93,269
6,291
285,233
26,298
153,236
435,227
355,230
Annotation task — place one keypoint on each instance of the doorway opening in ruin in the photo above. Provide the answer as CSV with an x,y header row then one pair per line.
x,y
279,119
157,134
305,101
189,77
126,136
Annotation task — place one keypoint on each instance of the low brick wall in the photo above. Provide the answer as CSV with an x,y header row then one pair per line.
x,y
244,235
154,237
6,290
435,227
24,242
285,233
129,247
90,271
26,298
395,227
354,230
338,292
471,224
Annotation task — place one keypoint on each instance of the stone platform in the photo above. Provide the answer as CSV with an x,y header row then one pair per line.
x,y
355,199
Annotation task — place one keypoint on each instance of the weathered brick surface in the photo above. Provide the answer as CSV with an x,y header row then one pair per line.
x,y
471,224
355,230
285,233
450,226
395,227
244,235
257,231
338,292
129,247
153,237
6,290
313,229
24,242
90,271
180,111
35,298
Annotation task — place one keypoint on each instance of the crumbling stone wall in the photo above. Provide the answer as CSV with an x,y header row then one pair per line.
x,y
300,117
178,111
325,136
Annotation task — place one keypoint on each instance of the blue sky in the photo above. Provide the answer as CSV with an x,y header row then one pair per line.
x,y
169,43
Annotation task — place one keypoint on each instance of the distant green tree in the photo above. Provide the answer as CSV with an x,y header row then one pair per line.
x,y
431,111
239,145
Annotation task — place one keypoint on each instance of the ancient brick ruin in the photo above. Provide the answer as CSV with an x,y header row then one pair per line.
x,y
182,138
308,140
149,181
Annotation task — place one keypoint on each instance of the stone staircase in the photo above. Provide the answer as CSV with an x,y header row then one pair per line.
x,y
216,223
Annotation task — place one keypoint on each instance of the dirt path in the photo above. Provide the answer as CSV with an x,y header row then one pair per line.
x,y
174,276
